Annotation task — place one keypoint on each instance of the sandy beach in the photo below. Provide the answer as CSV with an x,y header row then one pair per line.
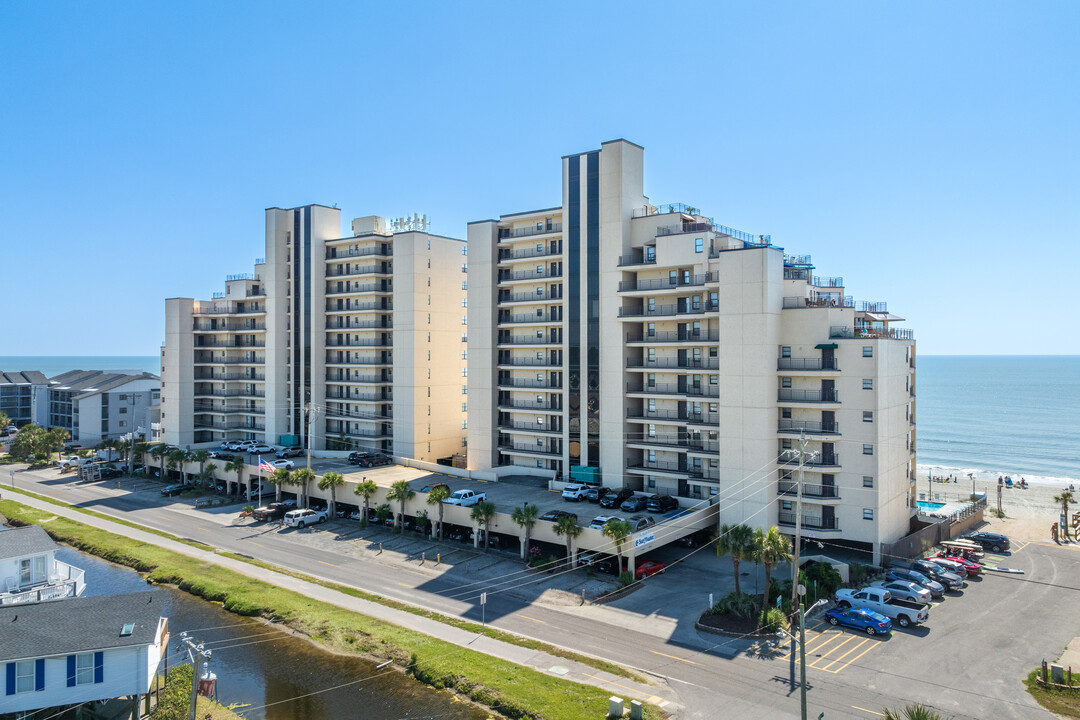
x,y
1029,513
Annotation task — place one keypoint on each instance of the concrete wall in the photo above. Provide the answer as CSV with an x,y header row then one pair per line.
x,y
482,294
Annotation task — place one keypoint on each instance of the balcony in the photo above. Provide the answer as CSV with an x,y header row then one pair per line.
x,y
646,414
226,345
520,405
712,391
527,318
506,256
357,307
223,309
231,377
528,449
362,415
229,361
529,383
673,363
811,427
528,362
359,362
664,468
367,270
637,258
819,301
546,274
514,233
827,282
674,336
374,342
667,310
65,581
788,395
826,492
255,427
229,393
529,297
809,522
359,288
667,283
366,325
246,327
528,340
529,427
342,253
815,460
871,333
677,442
804,363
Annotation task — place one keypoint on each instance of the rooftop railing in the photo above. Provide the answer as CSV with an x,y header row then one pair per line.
x,y
869,333
819,281
797,260
665,209
874,307
820,301
239,276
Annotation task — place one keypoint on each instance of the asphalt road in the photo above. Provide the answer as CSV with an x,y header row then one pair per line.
x,y
967,661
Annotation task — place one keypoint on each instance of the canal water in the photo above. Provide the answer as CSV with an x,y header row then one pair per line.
x,y
271,674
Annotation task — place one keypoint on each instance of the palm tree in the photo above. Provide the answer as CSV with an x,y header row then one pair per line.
x,y
158,453
1064,499
367,489
568,527
236,465
200,456
382,512
302,477
436,497
525,517
333,481
4,420
139,453
617,531
482,513
912,712
177,458
736,541
207,474
56,439
770,548
402,492
281,476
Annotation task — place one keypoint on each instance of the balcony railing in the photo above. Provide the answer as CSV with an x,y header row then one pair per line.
x,y
666,467
356,306
528,340
529,362
874,307
530,383
357,361
212,309
378,342
229,361
800,363
205,327
230,377
545,251
529,449
359,252
674,389
358,325
359,288
368,270
791,457
511,233
683,442
667,283
661,310
872,333
531,427
229,393
518,405
527,297
673,363
832,282
506,276
812,522
807,396
530,318
674,336
809,490
638,258
228,345
65,581
815,427
820,301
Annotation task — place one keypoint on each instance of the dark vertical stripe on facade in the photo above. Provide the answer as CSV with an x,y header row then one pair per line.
x,y
296,344
573,268
592,309
306,397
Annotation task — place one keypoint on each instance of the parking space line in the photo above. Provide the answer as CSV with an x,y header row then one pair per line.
x,y
827,659
857,646
832,636
691,662
823,637
872,712
852,660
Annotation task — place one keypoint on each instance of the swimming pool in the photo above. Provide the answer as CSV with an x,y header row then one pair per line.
x,y
930,506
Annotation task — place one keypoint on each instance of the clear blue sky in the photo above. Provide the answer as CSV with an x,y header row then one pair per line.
x,y
927,152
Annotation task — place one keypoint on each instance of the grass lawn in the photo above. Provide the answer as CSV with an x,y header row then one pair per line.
x,y
512,690
1060,701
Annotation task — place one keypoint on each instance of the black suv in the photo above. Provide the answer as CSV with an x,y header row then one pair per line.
x,y
994,542
375,460
273,511
615,498
356,457
661,503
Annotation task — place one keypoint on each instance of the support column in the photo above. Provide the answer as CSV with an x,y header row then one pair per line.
x,y
524,548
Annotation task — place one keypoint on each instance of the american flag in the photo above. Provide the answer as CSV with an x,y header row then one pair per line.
x,y
267,466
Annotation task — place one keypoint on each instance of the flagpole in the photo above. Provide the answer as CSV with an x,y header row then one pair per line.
x,y
260,479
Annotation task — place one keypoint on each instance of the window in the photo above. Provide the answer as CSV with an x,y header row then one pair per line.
x,y
24,676
464,389
539,248
464,302
652,456
123,411
785,352
539,269
123,398
540,421
714,379
539,292
785,382
540,334
785,413
464,372
464,355
699,245
868,514
867,416
651,304
464,319
464,284
539,377
539,463
539,356
867,481
123,423
673,277
867,384
713,352
868,351
464,407
785,504
539,312
867,449
464,266
464,249
84,669
540,400
464,424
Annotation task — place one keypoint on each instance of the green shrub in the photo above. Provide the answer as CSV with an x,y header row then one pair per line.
x,y
175,698
773,619
626,578
858,573
738,604
827,577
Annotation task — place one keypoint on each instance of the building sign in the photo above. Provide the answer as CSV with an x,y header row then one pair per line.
x,y
644,539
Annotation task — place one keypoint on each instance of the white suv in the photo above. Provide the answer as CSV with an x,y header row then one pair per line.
x,y
304,517
574,492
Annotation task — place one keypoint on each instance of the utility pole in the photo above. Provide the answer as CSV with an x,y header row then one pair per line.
x,y
195,652
312,413
798,524
131,452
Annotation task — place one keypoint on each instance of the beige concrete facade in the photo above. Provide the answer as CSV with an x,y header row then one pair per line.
x,y
653,348
313,329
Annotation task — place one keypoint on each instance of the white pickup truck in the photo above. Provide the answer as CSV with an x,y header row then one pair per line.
x,y
881,601
465,498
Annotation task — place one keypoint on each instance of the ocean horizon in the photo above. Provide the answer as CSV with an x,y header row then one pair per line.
x,y
988,415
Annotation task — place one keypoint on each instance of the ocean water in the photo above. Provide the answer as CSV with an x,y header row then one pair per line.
x,y
1007,415
57,364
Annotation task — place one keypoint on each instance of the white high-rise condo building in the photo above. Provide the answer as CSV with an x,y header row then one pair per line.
x,y
634,345
366,331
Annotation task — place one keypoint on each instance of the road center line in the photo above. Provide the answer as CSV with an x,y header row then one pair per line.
x,y
691,662
544,622
326,563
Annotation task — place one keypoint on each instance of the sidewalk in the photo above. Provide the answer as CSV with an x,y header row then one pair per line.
x,y
659,695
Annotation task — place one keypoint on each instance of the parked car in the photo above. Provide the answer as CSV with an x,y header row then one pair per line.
x,y
225,444
634,503
594,493
273,511
287,464
994,542
640,522
661,503
176,489
465,498
881,601
936,589
868,621
305,516
600,521
355,457
574,492
108,473
586,559
614,498
432,486
958,565
950,580
221,455
239,445
289,502
904,590
291,451
554,515
260,449
647,568
696,539
375,460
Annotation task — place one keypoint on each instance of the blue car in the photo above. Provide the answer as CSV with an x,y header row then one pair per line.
x,y
861,619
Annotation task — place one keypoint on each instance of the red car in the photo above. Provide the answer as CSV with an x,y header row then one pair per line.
x,y
648,568
973,568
